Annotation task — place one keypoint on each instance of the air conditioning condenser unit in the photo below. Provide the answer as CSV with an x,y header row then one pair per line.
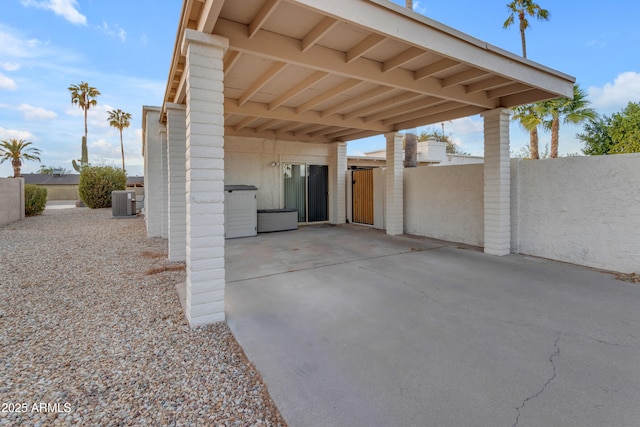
x,y
123,204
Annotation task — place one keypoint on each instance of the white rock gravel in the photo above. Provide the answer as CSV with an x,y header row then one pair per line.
x,y
87,338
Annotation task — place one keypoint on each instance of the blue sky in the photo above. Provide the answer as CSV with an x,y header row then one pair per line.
x,y
124,49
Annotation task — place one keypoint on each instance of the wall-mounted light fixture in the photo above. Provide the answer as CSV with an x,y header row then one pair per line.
x,y
274,164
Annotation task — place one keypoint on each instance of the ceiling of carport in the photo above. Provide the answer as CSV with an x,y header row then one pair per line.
x,y
323,71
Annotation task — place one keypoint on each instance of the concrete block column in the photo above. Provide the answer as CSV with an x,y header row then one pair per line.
x,y
164,191
152,171
497,183
338,171
204,176
394,175
176,161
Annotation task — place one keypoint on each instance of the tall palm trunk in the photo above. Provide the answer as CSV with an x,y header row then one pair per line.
x,y
17,167
533,143
122,150
555,132
522,31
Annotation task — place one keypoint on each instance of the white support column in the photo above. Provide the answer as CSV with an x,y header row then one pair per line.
x,y
165,186
338,172
153,171
394,175
204,176
497,183
176,159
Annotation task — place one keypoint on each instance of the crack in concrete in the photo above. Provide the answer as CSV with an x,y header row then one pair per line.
x,y
553,365
348,261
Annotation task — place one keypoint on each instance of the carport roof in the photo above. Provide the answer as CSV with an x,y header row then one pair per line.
x,y
323,71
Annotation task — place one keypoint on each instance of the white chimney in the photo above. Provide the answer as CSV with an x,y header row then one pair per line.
x,y
432,150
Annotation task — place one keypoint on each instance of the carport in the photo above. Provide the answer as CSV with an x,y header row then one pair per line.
x,y
349,326
324,72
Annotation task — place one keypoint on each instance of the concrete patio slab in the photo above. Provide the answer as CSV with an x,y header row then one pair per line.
x,y
349,326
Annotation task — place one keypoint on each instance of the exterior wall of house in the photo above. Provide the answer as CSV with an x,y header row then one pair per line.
x,y
11,200
445,203
583,210
248,161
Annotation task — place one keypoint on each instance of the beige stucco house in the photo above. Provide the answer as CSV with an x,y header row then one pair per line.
x,y
269,92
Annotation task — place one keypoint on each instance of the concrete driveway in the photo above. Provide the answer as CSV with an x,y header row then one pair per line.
x,y
350,327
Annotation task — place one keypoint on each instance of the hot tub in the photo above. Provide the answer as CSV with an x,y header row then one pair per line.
x,y
277,220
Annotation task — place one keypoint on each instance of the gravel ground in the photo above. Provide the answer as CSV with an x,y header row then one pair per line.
x,y
88,338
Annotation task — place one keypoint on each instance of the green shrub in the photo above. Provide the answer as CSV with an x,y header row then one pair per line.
x,y
35,199
97,183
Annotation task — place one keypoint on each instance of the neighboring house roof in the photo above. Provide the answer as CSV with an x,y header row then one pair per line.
x,y
319,71
70,179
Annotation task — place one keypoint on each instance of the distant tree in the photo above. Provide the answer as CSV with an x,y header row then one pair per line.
x,y
17,150
522,9
530,117
625,129
596,138
120,120
567,111
84,96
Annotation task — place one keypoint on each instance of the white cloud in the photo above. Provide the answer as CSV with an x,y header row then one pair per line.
x,y
7,83
615,96
12,46
10,66
36,113
12,133
113,32
65,8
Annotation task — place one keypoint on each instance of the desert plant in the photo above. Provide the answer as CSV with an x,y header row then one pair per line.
x,y
97,183
35,199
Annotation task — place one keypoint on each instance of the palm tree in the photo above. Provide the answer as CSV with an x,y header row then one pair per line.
x,y
530,117
120,120
84,96
17,151
524,8
567,111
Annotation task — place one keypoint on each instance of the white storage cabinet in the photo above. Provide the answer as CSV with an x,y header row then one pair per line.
x,y
240,211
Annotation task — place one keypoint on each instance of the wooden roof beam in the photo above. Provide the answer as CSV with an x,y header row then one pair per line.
x,y
490,83
368,96
343,87
262,81
309,81
404,108
463,77
364,46
377,106
258,21
283,113
318,32
402,58
436,67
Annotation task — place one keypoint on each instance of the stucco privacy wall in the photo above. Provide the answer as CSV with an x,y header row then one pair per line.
x,y
248,161
445,203
583,210
11,200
